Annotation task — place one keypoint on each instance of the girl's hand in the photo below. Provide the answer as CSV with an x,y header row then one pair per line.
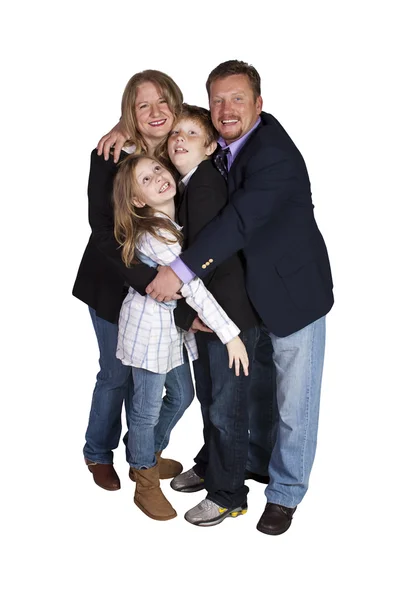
x,y
238,354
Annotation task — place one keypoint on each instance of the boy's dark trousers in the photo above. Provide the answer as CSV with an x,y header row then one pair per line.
x,y
224,399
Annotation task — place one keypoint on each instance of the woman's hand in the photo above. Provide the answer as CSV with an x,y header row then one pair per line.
x,y
115,138
238,355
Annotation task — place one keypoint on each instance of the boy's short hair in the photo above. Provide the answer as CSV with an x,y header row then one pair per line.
x,y
202,117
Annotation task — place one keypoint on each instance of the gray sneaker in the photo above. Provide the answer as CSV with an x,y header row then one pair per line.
x,y
187,482
208,513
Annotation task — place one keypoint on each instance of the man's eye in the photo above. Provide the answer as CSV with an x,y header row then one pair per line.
x,y
173,133
156,168
146,179
192,132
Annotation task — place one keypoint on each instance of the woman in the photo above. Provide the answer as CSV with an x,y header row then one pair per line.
x,y
150,102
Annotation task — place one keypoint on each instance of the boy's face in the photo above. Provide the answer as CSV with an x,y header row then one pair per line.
x,y
187,145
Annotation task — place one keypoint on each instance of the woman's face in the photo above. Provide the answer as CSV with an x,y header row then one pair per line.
x,y
156,184
153,115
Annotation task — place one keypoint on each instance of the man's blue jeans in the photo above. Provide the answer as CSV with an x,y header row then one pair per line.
x,y
152,417
224,405
113,386
299,360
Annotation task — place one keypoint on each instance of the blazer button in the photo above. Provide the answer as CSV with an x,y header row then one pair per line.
x,y
211,260
204,266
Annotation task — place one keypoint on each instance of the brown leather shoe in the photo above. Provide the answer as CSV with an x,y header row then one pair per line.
x,y
276,519
260,478
168,468
104,475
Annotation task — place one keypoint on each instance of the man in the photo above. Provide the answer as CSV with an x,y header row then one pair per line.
x,y
270,217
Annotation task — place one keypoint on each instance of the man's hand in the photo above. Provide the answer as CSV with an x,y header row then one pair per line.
x,y
115,138
165,285
198,325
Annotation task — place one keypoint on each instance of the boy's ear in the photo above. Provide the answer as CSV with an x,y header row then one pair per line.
x,y
138,203
211,148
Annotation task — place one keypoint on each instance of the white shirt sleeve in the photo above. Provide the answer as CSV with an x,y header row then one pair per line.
x,y
198,297
194,292
161,252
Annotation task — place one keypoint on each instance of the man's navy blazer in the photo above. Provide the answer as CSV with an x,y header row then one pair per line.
x,y
270,217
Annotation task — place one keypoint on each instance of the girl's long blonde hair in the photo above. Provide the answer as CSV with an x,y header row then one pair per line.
x,y
131,222
167,88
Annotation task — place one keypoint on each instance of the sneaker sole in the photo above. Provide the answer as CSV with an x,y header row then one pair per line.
x,y
233,513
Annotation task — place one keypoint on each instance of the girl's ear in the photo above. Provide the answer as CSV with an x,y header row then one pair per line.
x,y
211,148
138,203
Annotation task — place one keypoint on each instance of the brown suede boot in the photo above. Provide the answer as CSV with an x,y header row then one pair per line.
x,y
149,497
105,476
168,468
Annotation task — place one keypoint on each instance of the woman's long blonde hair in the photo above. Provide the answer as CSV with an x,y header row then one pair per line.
x,y
167,88
131,222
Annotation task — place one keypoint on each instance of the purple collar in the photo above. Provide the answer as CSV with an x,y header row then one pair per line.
x,y
236,146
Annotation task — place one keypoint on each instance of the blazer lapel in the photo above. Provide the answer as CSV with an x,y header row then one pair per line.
x,y
242,157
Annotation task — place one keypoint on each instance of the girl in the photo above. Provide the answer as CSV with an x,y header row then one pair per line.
x,y
148,339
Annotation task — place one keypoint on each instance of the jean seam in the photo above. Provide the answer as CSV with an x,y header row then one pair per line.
x,y
173,419
142,395
307,408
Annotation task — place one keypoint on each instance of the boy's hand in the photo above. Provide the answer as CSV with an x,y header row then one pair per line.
x,y
115,138
198,325
238,354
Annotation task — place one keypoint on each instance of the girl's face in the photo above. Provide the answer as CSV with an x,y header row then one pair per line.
x,y
153,115
156,184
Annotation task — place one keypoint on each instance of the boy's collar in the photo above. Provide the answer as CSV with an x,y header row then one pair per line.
x,y
185,179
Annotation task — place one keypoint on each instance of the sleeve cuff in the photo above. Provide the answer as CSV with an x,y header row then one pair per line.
x,y
182,271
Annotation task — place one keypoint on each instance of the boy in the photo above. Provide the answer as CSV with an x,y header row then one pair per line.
x,y
220,464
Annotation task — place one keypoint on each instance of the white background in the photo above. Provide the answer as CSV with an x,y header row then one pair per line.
x,y
329,74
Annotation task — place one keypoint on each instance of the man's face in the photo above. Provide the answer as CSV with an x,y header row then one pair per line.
x,y
187,145
233,108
